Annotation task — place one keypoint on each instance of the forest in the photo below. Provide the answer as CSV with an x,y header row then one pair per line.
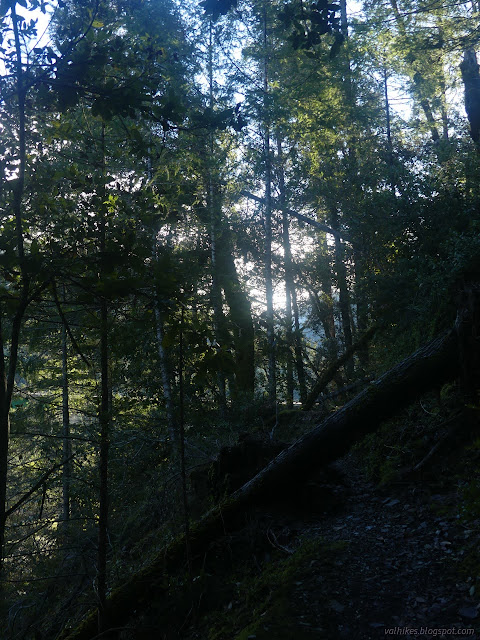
x,y
239,319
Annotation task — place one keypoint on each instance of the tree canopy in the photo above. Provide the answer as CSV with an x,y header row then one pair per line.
x,y
210,212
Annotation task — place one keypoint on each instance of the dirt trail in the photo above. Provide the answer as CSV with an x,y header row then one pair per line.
x,y
344,560
398,569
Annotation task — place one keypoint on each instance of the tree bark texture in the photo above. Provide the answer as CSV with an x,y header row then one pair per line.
x,y
471,82
432,365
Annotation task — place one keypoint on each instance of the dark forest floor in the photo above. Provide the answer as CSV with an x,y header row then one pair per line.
x,y
346,556
399,567
402,560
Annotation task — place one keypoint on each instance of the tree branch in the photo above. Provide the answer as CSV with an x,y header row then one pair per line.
x,y
299,216
67,327
36,486
332,369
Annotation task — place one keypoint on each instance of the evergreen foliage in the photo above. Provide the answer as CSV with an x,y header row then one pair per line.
x,y
158,297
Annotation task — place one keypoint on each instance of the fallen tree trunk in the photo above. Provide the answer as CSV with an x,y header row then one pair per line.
x,y
430,366
346,389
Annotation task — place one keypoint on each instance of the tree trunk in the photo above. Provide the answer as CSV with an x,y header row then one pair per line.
x,y
290,387
444,109
324,306
218,318
417,78
271,356
324,311
471,82
356,193
214,207
219,323
289,283
298,347
430,366
240,317
387,122
4,444
225,277
343,293
7,378
361,305
67,443
103,418
164,358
